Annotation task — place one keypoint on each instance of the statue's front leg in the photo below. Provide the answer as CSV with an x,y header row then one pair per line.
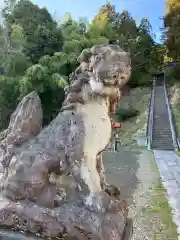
x,y
100,169
86,176
108,188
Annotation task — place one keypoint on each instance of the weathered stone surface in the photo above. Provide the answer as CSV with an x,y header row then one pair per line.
x,y
25,123
54,182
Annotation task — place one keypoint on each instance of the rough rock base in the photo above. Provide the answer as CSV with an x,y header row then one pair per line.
x,y
6,234
72,220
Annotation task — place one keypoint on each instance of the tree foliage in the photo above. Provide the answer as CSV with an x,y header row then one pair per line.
x,y
171,36
172,29
37,53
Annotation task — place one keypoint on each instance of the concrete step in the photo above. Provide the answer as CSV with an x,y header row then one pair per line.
x,y
161,132
163,139
162,143
163,148
159,143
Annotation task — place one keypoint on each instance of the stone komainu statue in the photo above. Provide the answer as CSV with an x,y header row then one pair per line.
x,y
52,179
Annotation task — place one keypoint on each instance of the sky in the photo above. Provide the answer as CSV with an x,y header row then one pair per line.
x,y
152,9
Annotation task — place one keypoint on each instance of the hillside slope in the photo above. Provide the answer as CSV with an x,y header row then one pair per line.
x,y
137,99
174,95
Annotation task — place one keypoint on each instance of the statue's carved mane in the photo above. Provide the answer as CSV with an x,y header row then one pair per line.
x,y
88,70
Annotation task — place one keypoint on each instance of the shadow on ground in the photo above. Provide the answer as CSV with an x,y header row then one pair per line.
x,y
121,170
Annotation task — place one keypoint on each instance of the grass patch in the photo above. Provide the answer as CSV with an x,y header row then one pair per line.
x,y
176,116
159,212
152,212
140,149
160,207
157,215
178,153
174,97
154,165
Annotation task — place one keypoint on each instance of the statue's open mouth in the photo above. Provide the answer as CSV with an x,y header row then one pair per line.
x,y
107,88
112,90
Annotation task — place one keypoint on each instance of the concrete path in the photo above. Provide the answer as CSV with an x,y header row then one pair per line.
x,y
169,168
136,175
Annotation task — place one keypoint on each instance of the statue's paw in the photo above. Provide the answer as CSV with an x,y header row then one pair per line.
x,y
112,191
102,202
95,202
70,106
6,211
5,162
60,197
118,206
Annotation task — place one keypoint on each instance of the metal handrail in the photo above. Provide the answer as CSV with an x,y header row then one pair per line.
x,y
149,107
170,116
151,117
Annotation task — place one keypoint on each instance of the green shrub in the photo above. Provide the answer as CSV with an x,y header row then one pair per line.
x,y
124,114
172,74
140,79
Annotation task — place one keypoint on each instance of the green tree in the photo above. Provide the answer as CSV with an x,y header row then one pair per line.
x,y
9,94
37,53
46,78
40,30
172,29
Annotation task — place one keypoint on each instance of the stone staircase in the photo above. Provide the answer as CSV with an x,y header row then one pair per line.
x,y
161,131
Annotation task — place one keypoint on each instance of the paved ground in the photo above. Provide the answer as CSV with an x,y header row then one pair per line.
x,y
169,167
121,171
132,172
137,176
